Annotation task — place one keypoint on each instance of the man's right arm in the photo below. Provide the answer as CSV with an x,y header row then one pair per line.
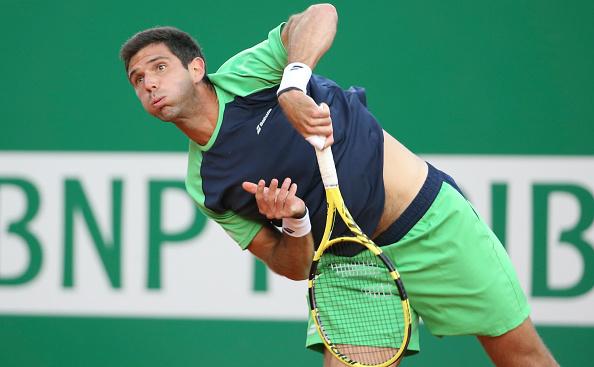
x,y
306,37
287,254
283,254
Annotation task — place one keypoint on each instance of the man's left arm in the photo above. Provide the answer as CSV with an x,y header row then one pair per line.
x,y
307,36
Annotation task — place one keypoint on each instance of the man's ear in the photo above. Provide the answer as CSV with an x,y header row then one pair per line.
x,y
197,69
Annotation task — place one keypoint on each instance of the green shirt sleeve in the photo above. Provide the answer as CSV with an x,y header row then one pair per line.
x,y
241,230
254,69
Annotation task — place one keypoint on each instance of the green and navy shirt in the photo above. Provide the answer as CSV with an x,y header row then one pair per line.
x,y
253,140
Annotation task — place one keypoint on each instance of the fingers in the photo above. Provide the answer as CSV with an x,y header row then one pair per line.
x,y
271,195
281,197
249,187
323,110
296,205
276,202
320,127
292,191
321,116
329,140
306,115
323,136
325,124
260,195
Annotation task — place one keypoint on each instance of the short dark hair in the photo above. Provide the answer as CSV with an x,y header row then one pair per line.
x,y
178,42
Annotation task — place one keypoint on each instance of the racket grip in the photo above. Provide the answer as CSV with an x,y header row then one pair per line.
x,y
325,161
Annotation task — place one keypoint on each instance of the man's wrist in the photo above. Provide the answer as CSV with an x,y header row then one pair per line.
x,y
297,227
305,212
288,89
295,76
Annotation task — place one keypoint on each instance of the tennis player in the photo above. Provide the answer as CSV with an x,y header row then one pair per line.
x,y
250,167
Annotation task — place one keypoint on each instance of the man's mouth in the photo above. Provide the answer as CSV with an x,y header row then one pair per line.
x,y
157,101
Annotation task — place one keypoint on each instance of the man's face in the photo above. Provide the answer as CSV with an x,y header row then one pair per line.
x,y
160,81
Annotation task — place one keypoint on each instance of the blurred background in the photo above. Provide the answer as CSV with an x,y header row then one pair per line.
x,y
104,260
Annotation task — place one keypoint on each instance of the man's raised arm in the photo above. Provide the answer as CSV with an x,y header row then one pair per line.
x,y
307,36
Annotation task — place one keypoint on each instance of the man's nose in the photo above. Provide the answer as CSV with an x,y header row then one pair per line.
x,y
150,83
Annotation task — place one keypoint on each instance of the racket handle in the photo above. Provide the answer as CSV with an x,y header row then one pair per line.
x,y
325,160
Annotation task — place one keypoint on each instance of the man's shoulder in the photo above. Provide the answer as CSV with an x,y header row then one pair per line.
x,y
256,68
271,45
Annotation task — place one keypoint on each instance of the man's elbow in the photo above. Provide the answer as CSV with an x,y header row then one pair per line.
x,y
297,276
324,10
292,271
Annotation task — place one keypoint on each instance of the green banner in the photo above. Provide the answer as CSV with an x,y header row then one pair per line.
x,y
93,271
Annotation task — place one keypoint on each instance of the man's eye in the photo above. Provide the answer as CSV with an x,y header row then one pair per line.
x,y
138,80
161,67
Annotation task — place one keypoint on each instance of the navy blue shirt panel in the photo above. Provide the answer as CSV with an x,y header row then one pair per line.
x,y
256,141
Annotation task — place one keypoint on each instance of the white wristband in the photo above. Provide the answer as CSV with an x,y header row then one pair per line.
x,y
295,76
297,227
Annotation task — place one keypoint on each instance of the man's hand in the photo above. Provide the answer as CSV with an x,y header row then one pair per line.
x,y
284,254
276,202
306,116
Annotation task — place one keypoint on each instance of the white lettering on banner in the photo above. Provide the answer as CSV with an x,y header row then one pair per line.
x,y
115,234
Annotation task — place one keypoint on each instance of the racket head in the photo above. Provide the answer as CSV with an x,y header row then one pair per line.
x,y
357,300
358,303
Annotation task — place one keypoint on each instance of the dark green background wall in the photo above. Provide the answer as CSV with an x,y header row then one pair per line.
x,y
463,77
444,76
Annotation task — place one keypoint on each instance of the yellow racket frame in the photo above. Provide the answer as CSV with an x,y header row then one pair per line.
x,y
336,204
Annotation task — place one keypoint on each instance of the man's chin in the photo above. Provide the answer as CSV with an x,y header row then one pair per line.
x,y
165,119
166,115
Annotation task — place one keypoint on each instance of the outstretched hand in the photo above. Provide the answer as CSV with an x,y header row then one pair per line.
x,y
306,116
276,202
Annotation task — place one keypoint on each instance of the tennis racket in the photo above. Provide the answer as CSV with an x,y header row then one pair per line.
x,y
356,297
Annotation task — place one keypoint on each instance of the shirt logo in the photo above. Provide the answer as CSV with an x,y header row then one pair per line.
x,y
259,127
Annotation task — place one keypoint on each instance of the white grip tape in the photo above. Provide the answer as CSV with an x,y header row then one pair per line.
x,y
316,141
295,75
325,161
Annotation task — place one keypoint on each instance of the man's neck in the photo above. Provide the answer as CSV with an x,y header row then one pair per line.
x,y
201,123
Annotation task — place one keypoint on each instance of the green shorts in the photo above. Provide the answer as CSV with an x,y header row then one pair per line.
x,y
458,276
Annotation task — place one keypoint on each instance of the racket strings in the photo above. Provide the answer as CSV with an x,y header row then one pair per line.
x,y
359,306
